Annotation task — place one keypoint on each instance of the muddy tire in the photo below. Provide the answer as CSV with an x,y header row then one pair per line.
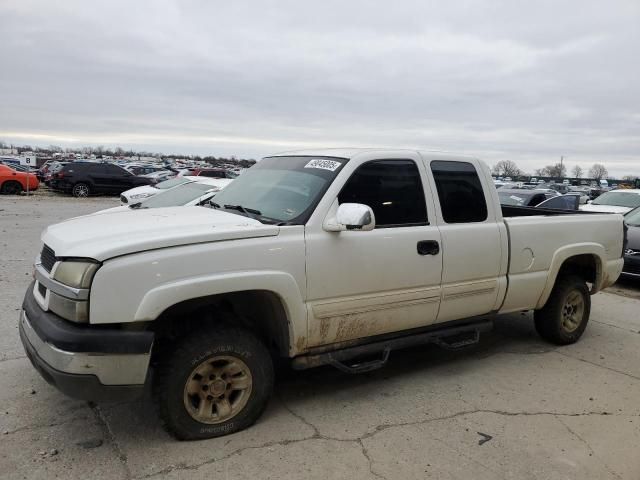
x,y
565,316
81,190
215,382
11,188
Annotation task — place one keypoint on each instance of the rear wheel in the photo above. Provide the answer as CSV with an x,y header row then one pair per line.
x,y
11,188
81,190
214,383
565,316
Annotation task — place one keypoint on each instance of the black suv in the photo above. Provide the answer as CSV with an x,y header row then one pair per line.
x,y
84,178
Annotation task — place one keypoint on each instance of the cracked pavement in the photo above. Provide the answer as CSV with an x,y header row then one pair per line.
x,y
551,413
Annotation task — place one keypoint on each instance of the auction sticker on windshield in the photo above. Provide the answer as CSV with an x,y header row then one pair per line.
x,y
330,165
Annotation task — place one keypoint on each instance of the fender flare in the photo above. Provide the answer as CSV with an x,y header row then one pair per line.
x,y
562,254
282,284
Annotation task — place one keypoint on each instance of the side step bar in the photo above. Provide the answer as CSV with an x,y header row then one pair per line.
x,y
451,338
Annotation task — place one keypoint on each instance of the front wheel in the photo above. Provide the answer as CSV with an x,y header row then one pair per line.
x,y
565,316
81,190
214,383
11,188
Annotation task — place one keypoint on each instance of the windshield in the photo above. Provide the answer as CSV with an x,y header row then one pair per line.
x,y
178,196
633,218
510,198
282,189
171,183
618,199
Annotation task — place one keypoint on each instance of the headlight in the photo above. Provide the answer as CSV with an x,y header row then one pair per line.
x,y
76,274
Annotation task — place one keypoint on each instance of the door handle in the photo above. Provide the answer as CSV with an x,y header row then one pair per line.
x,y
428,247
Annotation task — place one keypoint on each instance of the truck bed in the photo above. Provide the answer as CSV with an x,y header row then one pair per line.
x,y
509,211
540,238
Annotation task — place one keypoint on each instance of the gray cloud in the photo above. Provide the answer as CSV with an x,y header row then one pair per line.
x,y
527,81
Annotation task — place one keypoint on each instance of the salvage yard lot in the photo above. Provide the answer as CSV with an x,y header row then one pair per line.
x,y
512,407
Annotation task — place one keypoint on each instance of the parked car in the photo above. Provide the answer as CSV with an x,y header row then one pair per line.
x,y
522,197
317,257
159,176
582,192
13,181
615,201
562,188
214,173
187,194
561,202
185,172
142,169
42,171
84,178
631,266
137,194
140,193
22,168
54,168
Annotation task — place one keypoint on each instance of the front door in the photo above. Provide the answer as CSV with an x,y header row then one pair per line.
x,y
365,283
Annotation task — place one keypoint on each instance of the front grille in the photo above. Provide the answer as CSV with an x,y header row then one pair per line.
x,y
47,258
123,199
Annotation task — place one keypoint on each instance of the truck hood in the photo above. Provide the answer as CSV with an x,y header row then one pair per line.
x,y
119,233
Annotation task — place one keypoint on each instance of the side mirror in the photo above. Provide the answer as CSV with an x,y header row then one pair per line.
x,y
351,216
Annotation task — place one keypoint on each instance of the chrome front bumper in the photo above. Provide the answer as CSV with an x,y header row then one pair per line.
x,y
109,369
90,362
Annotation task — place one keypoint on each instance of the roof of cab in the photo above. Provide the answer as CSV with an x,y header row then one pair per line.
x,y
349,153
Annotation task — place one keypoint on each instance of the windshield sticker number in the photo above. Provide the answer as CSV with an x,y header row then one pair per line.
x,y
330,165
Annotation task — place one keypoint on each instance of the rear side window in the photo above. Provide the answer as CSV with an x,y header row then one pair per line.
x,y
114,169
460,192
393,190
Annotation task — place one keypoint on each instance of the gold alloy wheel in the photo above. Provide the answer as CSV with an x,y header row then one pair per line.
x,y
218,389
572,311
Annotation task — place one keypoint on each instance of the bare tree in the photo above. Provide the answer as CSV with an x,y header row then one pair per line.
x,y
598,171
557,170
507,168
577,171
629,178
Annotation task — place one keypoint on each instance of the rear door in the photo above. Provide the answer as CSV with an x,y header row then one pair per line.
x,y
365,283
94,173
474,245
117,179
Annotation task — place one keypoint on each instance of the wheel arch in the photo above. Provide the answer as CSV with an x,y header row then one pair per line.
x,y
10,181
586,260
268,303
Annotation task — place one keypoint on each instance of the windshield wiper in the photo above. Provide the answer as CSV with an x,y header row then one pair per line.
x,y
249,212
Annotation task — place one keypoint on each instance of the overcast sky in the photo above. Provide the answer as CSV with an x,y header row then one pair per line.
x,y
522,80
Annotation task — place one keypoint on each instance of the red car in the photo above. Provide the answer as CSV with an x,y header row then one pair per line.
x,y
13,181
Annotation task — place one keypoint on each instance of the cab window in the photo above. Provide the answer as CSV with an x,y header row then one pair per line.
x,y
459,191
393,190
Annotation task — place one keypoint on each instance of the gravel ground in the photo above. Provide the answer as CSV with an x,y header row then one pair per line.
x,y
511,407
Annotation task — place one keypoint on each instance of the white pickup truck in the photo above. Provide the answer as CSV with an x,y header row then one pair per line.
x,y
319,257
